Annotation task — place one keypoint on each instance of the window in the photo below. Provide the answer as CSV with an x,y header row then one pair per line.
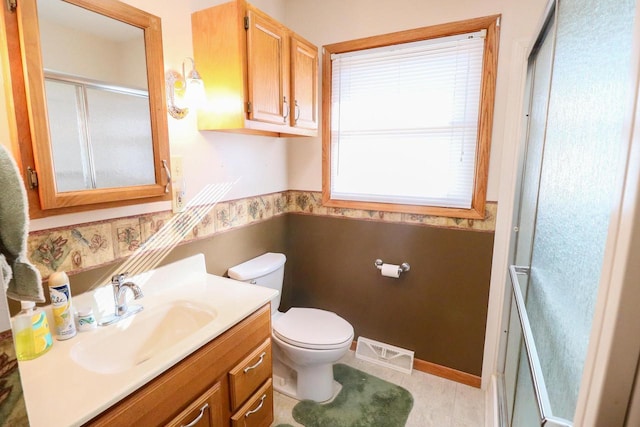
x,y
408,119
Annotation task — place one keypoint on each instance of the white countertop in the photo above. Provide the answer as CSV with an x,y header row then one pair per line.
x,y
60,392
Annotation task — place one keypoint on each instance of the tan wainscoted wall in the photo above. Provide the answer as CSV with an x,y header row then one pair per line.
x,y
438,308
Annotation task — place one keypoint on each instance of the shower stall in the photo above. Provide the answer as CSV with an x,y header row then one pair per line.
x,y
578,105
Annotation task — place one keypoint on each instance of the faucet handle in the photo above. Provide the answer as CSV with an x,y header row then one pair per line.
x,y
117,279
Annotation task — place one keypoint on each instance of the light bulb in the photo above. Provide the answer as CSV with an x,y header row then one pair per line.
x,y
195,93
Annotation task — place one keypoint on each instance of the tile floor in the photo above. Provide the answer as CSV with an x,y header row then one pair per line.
x,y
437,402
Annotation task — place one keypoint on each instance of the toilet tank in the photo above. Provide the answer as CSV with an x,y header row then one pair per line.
x,y
266,270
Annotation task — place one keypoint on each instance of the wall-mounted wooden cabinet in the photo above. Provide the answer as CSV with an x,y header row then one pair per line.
x,y
260,77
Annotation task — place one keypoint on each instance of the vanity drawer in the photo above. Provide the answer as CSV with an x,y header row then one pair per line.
x,y
258,411
249,374
203,412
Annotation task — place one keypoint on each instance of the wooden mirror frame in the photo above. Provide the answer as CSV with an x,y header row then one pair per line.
x,y
28,126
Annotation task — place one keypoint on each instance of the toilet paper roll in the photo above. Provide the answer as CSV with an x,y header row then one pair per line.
x,y
390,270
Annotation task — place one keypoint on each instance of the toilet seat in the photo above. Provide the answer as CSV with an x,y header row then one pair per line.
x,y
313,328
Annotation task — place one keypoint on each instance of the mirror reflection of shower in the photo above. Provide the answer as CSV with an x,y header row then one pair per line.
x,y
157,247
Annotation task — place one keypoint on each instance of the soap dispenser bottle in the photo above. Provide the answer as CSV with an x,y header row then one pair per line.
x,y
31,330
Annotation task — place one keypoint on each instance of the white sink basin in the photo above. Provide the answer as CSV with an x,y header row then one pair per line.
x,y
136,339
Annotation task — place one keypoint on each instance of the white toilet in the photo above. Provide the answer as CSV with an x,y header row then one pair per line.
x,y
307,341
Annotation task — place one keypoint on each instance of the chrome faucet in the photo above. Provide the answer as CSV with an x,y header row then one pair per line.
x,y
122,309
119,291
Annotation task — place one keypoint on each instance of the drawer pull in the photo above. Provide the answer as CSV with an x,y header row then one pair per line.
x,y
253,411
258,363
199,417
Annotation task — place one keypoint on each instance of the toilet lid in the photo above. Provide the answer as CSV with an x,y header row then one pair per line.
x,y
313,328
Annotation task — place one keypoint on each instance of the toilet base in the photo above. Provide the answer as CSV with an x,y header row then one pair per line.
x,y
285,381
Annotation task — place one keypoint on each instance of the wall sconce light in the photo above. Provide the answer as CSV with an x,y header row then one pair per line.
x,y
184,90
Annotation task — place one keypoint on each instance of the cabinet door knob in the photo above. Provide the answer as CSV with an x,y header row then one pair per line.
x,y
258,363
253,411
198,418
297,111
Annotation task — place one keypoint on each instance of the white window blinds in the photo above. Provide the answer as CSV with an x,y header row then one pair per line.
x,y
404,122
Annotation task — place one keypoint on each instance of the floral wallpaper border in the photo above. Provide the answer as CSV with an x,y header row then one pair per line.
x,y
83,246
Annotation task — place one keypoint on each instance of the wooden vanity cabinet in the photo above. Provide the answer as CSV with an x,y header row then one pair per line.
x,y
226,382
260,77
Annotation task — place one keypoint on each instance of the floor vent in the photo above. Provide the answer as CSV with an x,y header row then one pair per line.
x,y
385,355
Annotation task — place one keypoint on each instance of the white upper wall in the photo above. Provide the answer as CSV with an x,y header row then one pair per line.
x,y
330,21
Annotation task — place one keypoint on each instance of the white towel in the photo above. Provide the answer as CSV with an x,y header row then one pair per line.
x,y
25,283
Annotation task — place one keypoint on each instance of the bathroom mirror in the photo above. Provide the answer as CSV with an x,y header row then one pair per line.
x,y
93,75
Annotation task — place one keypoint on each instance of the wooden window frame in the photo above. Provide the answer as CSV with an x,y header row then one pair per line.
x,y
485,116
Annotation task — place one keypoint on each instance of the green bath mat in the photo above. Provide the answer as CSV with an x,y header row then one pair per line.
x,y
364,401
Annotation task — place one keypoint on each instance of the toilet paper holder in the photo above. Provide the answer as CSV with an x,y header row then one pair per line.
x,y
402,268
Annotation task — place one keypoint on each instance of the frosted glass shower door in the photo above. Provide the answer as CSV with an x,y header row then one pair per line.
x,y
573,164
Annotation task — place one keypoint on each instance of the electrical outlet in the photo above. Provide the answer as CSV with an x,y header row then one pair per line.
x,y
177,179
